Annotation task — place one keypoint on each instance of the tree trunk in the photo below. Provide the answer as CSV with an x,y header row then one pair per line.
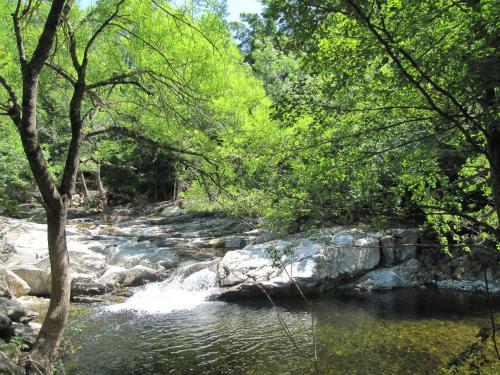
x,y
85,190
45,350
98,181
175,189
494,159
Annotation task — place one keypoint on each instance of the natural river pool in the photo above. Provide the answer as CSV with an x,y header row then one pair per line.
x,y
413,331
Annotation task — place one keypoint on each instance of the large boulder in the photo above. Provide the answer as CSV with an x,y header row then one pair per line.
x,y
12,309
405,275
471,285
4,284
311,263
27,241
139,275
38,279
25,332
5,322
18,286
233,242
86,284
113,277
171,212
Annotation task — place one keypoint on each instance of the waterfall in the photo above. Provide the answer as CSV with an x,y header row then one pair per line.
x,y
187,288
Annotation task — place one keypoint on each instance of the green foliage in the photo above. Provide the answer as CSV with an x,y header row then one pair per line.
x,y
14,174
364,130
338,111
19,343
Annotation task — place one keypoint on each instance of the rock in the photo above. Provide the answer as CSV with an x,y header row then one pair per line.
x,y
11,351
469,285
387,245
5,322
233,242
143,253
313,263
25,332
266,237
38,279
186,271
171,212
85,284
7,367
35,327
399,245
352,252
405,275
18,286
139,275
113,277
217,242
14,310
86,299
4,284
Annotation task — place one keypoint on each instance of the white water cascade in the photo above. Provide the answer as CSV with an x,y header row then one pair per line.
x,y
184,290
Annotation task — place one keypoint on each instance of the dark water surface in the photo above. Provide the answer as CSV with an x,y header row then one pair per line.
x,y
397,332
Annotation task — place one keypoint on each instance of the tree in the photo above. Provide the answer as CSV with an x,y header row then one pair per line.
x,y
400,94
141,70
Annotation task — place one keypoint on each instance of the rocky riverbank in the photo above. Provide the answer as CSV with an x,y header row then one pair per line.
x,y
108,257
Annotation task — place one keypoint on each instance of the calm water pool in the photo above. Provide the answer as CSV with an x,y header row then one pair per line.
x,y
397,332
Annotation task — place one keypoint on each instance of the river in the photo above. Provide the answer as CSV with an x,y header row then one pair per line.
x,y
173,328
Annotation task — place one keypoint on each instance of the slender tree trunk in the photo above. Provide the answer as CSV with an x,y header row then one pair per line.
x,y
494,158
98,181
45,350
85,190
175,189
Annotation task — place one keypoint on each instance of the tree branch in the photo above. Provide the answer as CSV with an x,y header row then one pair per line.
x,y
47,36
19,37
99,30
428,97
454,212
10,91
60,70
118,130
122,79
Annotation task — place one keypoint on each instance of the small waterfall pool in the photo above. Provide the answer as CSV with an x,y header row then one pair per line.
x,y
173,328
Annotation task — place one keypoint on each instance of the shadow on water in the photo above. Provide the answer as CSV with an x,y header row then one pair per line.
x,y
397,332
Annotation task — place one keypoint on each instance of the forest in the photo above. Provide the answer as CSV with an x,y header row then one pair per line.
x,y
317,148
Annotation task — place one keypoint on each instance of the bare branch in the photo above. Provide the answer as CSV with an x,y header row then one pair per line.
x,y
12,109
60,70
110,165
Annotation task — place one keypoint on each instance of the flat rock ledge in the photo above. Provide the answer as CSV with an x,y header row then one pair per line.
x,y
317,262
340,259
